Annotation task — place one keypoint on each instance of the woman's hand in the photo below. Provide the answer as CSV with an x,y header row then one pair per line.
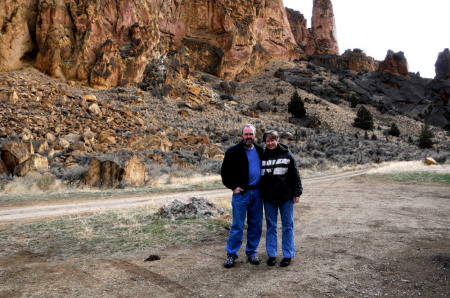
x,y
296,199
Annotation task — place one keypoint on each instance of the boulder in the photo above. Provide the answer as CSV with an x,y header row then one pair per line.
x,y
429,161
263,106
151,142
135,173
50,138
40,146
107,172
88,136
95,110
36,163
61,143
13,154
208,151
192,208
194,139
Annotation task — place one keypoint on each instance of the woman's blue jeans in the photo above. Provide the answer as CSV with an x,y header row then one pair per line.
x,y
287,224
245,204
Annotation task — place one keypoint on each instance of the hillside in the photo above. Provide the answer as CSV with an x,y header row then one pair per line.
x,y
116,93
69,123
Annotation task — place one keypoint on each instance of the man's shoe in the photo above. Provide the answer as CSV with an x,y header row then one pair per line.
x,y
285,262
230,262
254,260
272,261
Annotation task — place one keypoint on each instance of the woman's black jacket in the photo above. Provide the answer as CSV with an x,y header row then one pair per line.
x,y
280,178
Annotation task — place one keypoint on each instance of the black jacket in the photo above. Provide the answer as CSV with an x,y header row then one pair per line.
x,y
280,178
234,169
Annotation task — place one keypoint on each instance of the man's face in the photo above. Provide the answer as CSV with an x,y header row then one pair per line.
x,y
248,137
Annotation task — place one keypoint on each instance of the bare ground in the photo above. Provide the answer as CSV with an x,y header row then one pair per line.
x,y
354,237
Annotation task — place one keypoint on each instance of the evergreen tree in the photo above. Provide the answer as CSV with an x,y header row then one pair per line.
x,y
364,119
394,131
426,137
296,106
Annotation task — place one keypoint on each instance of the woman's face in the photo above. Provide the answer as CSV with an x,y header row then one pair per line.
x,y
271,143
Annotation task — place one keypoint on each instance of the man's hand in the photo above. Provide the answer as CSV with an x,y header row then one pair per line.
x,y
237,190
296,199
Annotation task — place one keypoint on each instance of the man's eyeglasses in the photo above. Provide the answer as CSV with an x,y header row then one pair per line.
x,y
248,134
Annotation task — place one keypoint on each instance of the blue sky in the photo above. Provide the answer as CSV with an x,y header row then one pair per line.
x,y
418,28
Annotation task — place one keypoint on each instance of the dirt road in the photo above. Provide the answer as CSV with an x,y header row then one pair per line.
x,y
36,212
354,237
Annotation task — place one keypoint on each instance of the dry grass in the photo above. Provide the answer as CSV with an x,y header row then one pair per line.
x,y
34,183
412,172
32,188
108,233
409,166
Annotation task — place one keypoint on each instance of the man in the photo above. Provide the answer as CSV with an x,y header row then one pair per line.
x,y
241,172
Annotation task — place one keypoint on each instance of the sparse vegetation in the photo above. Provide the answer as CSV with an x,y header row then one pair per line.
x,y
108,233
414,177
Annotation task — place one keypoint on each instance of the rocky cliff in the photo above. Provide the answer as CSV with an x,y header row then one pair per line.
x,y
108,43
324,28
442,66
157,43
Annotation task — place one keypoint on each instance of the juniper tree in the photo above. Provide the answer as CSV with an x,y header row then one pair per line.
x,y
394,131
426,137
296,106
364,119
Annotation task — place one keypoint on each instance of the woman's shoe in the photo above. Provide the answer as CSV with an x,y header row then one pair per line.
x,y
285,262
271,261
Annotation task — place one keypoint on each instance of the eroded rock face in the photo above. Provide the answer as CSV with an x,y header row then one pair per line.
x,y
395,63
104,43
17,20
227,38
324,28
354,59
110,43
442,66
299,28
357,60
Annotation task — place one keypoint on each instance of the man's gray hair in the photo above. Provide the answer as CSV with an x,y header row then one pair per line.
x,y
251,126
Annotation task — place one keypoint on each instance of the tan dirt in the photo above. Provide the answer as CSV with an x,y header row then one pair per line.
x,y
354,237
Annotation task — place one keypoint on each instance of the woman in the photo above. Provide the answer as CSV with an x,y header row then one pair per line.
x,y
280,188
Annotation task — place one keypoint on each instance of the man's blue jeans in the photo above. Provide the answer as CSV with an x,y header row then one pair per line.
x,y
287,223
246,204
